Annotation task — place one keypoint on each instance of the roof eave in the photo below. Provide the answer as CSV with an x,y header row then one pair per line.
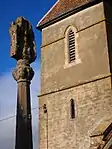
x,y
66,14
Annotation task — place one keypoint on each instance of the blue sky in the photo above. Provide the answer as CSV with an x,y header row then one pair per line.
x,y
33,10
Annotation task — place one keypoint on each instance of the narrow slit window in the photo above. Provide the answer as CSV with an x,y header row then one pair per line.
x,y
72,109
71,46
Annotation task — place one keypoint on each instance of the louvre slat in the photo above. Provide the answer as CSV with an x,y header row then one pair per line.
x,y
72,53
72,56
71,38
72,60
71,34
73,46
73,50
71,41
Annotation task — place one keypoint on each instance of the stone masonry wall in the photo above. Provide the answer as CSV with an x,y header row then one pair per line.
x,y
93,103
92,49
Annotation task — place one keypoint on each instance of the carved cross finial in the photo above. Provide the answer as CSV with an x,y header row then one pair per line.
x,y
22,40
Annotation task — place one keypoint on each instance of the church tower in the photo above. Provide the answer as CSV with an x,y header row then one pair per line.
x,y
75,101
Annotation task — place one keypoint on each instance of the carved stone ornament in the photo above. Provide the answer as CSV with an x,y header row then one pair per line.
x,y
23,72
22,40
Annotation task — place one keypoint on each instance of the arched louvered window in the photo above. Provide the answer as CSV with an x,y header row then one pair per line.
x,y
71,45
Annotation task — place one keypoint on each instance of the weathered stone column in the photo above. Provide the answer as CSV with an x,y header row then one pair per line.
x,y
23,50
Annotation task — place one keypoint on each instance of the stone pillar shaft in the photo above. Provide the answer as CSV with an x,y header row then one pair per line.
x,y
23,119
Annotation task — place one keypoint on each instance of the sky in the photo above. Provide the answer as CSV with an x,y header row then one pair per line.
x,y
32,10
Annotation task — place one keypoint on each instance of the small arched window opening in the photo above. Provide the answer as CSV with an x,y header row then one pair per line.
x,y
71,46
72,106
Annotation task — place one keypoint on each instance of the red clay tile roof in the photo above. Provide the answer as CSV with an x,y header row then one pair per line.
x,y
61,7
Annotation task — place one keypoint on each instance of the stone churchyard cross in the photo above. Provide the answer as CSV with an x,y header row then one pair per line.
x,y
24,51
